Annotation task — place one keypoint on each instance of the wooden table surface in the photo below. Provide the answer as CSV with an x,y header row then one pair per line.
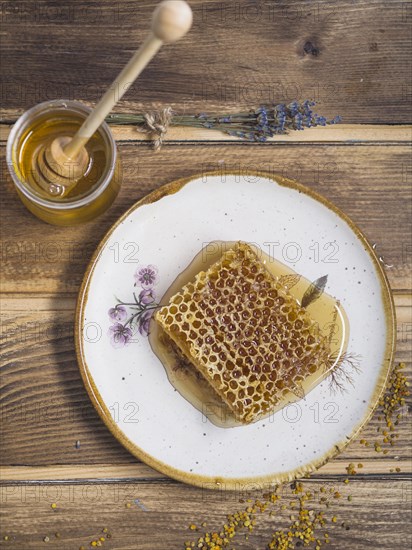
x,y
354,59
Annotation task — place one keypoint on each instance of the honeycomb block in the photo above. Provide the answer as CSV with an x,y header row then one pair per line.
x,y
244,333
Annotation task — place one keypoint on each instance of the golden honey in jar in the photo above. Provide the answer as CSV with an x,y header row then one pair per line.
x,y
93,193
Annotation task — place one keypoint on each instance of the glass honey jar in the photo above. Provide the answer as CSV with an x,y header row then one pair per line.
x,y
93,193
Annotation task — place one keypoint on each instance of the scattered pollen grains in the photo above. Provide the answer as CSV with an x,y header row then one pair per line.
x,y
307,509
389,412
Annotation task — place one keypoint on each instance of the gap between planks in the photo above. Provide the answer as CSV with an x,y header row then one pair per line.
x,y
139,471
350,134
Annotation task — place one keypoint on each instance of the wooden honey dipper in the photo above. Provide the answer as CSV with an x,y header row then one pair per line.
x,y
65,160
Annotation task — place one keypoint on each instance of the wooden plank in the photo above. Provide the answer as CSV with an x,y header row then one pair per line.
x,y
45,409
89,472
341,133
370,183
163,513
352,57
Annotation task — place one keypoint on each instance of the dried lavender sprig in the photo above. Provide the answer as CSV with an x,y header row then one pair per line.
x,y
254,125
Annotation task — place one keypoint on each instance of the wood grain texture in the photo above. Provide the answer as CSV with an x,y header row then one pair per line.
x,y
45,408
370,183
352,57
165,509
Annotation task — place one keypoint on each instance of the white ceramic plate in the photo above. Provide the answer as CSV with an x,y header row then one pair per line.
x,y
129,386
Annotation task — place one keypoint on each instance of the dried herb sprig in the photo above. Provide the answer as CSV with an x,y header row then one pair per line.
x,y
255,125
314,291
343,373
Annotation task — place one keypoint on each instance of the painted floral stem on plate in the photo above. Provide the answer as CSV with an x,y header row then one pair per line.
x,y
131,318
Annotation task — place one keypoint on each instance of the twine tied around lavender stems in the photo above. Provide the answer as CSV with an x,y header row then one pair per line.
x,y
156,124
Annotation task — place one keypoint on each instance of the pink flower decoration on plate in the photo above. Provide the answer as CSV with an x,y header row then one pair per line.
x,y
120,335
146,276
118,313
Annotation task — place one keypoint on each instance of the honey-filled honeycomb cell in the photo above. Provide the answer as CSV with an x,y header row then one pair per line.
x,y
244,333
